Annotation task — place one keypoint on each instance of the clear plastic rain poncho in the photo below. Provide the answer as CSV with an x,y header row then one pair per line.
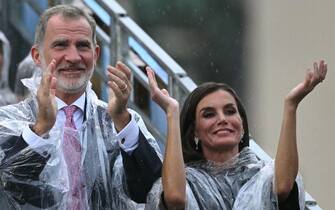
x,y
6,95
244,182
26,183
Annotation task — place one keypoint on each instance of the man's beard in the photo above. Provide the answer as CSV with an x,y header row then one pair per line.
x,y
73,85
67,84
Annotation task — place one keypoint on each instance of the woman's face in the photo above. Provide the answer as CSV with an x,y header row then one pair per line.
x,y
218,124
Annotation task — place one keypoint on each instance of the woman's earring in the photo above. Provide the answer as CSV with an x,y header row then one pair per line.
x,y
241,138
196,141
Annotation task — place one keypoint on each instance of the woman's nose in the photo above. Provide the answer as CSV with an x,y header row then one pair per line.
x,y
222,118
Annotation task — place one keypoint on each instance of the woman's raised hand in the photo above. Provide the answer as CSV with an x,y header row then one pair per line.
x,y
312,79
173,172
161,96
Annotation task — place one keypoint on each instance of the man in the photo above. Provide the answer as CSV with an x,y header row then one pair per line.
x,y
6,95
51,158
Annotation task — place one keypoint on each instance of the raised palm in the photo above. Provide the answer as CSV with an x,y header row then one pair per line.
x,y
312,79
47,107
160,96
119,88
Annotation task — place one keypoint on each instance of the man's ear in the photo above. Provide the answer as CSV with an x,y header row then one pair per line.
x,y
96,53
35,54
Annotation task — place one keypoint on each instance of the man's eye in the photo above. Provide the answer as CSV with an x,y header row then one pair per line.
x,y
61,44
84,45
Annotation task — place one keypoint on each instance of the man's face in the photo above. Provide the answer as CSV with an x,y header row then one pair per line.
x,y
69,42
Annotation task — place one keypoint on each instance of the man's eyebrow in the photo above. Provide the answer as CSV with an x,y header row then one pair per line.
x,y
86,42
59,41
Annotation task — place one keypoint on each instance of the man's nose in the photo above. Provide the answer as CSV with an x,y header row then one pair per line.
x,y
72,55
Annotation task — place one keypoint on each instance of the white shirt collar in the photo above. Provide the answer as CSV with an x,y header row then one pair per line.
x,y
80,102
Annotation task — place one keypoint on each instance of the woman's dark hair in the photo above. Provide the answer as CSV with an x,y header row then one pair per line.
x,y
187,119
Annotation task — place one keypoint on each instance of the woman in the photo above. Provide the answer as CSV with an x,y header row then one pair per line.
x,y
221,171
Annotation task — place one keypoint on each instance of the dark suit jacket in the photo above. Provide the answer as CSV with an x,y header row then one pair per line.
x,y
141,168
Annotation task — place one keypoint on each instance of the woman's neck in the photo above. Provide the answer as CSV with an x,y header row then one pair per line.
x,y
220,156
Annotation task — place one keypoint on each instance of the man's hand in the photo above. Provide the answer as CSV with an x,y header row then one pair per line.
x,y
47,107
120,88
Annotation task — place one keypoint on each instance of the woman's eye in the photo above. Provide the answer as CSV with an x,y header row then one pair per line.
x,y
208,114
230,111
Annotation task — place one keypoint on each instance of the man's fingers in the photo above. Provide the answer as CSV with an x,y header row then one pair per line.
x,y
115,88
121,84
122,67
119,77
48,80
53,85
51,68
48,74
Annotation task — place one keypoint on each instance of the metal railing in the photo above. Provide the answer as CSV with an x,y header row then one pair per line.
x,y
120,38
129,43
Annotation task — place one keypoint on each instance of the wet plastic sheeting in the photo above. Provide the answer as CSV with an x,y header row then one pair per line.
x,y
241,183
37,176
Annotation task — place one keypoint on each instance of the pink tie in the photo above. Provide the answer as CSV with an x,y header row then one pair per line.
x,y
72,155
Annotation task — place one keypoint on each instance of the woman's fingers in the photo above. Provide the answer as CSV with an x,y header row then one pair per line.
x,y
319,73
151,78
323,70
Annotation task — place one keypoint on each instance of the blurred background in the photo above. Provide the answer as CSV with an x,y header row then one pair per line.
x,y
205,37
261,48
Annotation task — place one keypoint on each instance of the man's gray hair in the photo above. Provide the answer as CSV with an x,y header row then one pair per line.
x,y
67,11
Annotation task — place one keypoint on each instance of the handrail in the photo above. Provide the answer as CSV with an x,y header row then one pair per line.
x,y
124,36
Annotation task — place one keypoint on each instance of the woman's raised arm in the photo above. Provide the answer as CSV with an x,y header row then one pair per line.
x,y
173,177
286,162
